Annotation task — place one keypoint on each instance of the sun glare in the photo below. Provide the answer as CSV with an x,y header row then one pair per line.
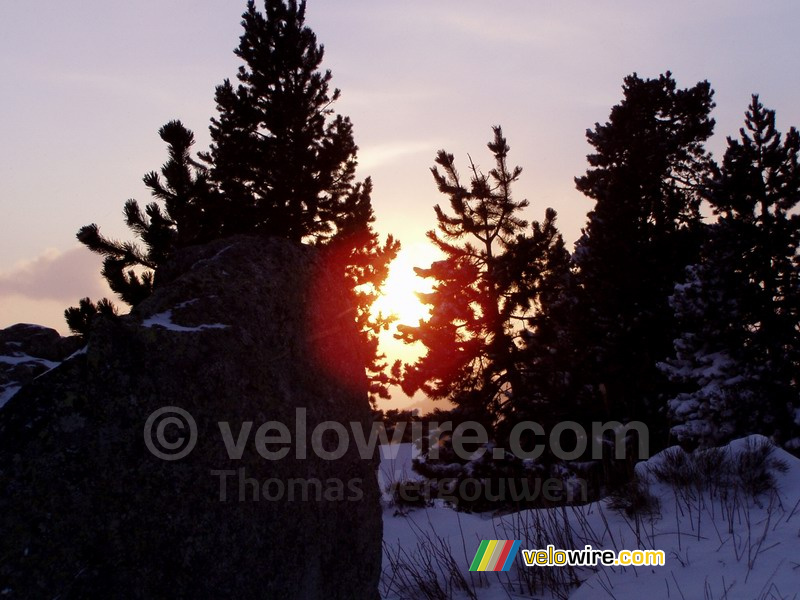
x,y
399,297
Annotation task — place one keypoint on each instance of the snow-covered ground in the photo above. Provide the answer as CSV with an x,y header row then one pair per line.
x,y
720,539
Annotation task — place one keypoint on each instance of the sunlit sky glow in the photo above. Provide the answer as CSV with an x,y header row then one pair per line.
x,y
87,85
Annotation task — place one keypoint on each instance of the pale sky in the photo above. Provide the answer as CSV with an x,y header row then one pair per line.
x,y
87,85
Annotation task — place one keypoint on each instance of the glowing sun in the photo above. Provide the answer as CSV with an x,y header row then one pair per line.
x,y
398,296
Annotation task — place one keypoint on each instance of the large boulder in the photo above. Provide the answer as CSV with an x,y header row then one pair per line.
x,y
240,331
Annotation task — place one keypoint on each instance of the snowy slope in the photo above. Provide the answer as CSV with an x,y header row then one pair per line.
x,y
720,540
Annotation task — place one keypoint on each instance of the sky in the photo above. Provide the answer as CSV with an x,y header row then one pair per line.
x,y
87,85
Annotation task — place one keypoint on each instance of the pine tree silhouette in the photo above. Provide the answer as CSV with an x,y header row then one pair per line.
x,y
647,177
79,318
485,290
188,218
284,162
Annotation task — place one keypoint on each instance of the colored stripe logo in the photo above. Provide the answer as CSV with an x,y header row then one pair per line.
x,y
495,555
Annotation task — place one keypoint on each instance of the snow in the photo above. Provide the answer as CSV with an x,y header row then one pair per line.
x,y
186,303
164,320
396,466
19,358
213,258
8,393
79,352
719,542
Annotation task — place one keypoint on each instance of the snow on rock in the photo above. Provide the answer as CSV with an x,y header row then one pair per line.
x,y
164,319
20,358
79,352
7,393
28,351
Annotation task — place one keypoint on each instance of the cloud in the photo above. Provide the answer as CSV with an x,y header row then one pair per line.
x,y
377,155
64,276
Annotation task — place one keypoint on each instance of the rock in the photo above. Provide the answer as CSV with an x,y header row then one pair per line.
x,y
27,351
242,330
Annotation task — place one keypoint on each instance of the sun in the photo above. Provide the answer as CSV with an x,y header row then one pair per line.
x,y
399,298
399,293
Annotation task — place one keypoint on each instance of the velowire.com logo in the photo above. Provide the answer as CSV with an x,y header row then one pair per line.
x,y
495,555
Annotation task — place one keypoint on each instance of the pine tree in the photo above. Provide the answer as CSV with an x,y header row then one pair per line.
x,y
647,176
357,251
283,161
285,164
80,318
485,289
189,216
280,164
547,347
738,354
708,361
